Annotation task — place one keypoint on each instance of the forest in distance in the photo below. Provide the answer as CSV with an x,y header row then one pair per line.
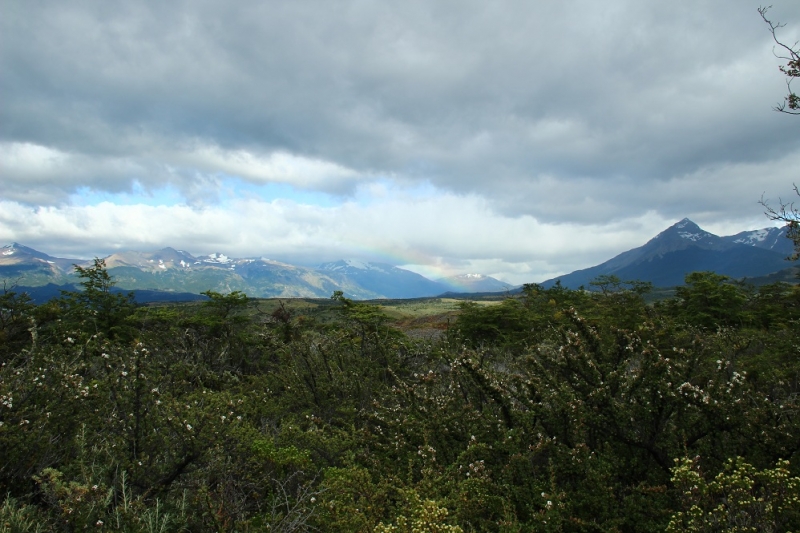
x,y
550,410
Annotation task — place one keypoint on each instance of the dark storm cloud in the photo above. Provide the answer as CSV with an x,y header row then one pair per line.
x,y
575,110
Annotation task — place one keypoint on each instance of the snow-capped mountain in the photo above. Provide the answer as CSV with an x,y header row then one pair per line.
x,y
177,271
20,264
17,254
664,260
685,247
773,239
170,269
164,259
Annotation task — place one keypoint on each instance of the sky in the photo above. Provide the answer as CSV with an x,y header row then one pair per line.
x,y
517,139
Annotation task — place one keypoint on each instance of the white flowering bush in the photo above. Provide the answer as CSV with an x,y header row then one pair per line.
x,y
739,499
556,410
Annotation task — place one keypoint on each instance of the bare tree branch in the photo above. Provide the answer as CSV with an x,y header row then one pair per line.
x,y
787,213
791,106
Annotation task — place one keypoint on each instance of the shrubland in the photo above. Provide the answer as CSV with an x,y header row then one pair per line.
x,y
553,410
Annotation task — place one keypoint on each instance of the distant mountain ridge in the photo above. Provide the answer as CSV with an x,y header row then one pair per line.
x,y
664,260
685,247
474,283
177,271
382,278
773,239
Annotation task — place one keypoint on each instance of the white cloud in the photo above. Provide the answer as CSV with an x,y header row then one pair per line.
x,y
278,167
38,174
528,138
444,233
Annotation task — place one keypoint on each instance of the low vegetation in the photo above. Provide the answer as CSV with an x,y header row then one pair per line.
x,y
553,410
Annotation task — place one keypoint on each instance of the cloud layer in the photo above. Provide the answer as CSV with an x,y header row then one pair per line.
x,y
473,134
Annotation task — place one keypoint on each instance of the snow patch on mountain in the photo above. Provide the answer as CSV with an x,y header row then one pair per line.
x,y
221,259
355,263
691,236
752,238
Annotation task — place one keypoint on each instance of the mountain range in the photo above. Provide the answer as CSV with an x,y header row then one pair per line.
x,y
175,271
170,274
685,247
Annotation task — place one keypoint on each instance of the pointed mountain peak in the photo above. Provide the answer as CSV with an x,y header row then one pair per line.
x,y
171,254
685,247
16,248
685,230
685,224
9,249
16,253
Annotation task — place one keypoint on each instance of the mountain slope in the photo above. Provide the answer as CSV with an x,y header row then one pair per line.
x,y
19,263
260,278
466,283
381,278
773,239
683,248
176,271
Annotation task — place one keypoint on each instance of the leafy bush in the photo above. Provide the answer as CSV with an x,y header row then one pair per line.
x,y
556,410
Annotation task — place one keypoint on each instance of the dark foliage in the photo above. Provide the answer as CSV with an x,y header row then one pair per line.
x,y
556,410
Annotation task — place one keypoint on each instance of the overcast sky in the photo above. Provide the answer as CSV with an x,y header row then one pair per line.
x,y
518,139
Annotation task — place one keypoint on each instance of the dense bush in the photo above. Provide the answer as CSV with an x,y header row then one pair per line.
x,y
557,410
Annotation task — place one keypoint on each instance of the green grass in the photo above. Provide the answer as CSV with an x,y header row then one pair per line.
x,y
406,314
